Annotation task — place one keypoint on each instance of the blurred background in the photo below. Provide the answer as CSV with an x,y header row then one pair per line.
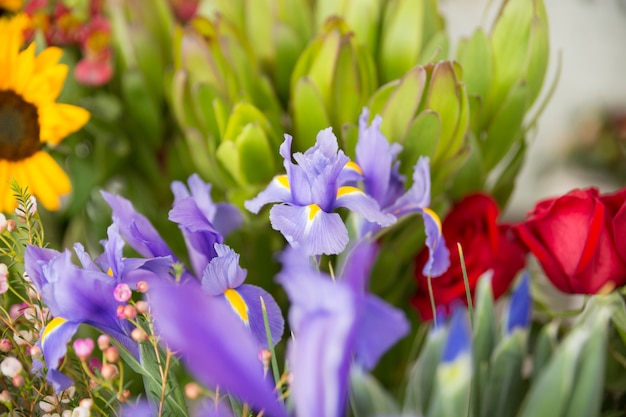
x,y
578,137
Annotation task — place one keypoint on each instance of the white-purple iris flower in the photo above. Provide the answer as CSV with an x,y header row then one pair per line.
x,y
204,225
334,322
376,160
77,295
309,192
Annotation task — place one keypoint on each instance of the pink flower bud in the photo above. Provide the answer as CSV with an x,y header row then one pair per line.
x,y
83,348
18,381
5,345
192,390
141,306
109,371
120,312
138,335
11,225
130,312
112,354
103,342
122,293
143,287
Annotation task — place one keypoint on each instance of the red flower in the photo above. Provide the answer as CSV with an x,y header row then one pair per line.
x,y
575,238
486,246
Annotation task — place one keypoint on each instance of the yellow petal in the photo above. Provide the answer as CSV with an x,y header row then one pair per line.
x,y
46,85
4,187
24,67
48,57
57,120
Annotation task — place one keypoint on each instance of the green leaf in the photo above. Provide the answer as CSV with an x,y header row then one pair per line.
x,y
586,399
174,401
368,397
550,395
402,105
401,38
544,347
474,55
503,188
257,157
309,114
436,49
141,110
421,140
503,389
470,177
539,52
419,389
443,98
505,130
484,337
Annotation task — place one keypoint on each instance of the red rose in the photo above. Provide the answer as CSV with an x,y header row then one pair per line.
x,y
486,245
575,237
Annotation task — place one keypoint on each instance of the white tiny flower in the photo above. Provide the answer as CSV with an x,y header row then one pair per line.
x,y
23,337
48,404
81,412
10,367
4,284
68,394
4,270
66,413
3,223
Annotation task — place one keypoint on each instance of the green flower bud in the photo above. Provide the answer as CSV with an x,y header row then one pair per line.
x,y
426,110
412,33
247,150
363,17
331,82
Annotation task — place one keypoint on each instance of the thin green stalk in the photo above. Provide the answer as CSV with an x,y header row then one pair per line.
x,y
432,299
270,342
468,293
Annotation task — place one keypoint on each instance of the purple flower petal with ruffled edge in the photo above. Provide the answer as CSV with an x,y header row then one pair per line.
x,y
197,217
377,159
417,197
53,342
277,191
223,272
310,228
223,278
33,259
219,351
439,256
355,200
321,311
136,228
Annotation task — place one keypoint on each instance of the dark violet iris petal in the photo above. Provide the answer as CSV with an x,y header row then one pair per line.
x,y
252,294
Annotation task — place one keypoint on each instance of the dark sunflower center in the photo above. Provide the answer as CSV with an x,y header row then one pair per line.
x,y
19,127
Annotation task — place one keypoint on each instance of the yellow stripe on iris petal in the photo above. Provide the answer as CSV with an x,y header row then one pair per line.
x,y
354,167
238,304
110,272
284,181
54,324
347,190
435,217
313,210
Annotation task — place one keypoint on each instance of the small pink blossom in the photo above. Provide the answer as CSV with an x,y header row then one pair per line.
x,y
83,347
122,293
10,367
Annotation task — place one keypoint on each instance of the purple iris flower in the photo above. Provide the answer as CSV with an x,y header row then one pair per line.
x,y
310,192
77,295
204,225
223,278
334,321
202,222
216,348
377,161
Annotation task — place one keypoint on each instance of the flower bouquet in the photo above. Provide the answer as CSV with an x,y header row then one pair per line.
x,y
291,208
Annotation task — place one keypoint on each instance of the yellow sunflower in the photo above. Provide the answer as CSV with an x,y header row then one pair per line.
x,y
30,117
10,6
